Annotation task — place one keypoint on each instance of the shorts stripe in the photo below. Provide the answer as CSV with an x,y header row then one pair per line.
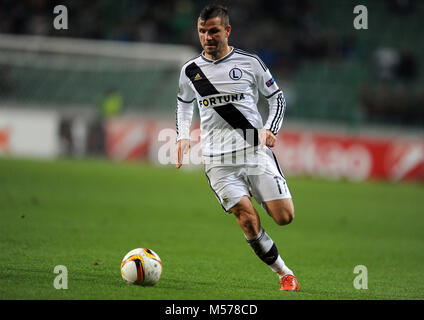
x,y
276,163
216,195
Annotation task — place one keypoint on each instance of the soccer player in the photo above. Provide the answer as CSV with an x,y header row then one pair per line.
x,y
239,163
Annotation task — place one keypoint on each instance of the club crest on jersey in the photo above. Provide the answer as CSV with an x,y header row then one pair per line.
x,y
235,73
220,100
270,82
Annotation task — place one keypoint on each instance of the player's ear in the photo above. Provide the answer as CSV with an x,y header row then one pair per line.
x,y
228,31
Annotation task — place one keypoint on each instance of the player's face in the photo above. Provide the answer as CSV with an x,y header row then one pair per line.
x,y
213,36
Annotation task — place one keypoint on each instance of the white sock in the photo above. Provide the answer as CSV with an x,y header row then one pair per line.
x,y
280,268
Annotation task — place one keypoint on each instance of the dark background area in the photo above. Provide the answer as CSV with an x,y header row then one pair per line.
x,y
328,70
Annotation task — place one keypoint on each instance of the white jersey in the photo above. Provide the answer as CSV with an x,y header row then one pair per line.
x,y
226,92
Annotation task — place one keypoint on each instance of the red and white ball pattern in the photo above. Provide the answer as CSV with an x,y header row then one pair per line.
x,y
141,266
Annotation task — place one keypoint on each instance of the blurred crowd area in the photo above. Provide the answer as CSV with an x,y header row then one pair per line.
x,y
281,32
285,34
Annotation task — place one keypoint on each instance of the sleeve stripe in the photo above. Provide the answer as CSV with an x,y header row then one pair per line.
x,y
176,120
272,94
280,120
279,115
275,116
282,111
179,99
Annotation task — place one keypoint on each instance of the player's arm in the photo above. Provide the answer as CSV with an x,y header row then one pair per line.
x,y
184,115
276,102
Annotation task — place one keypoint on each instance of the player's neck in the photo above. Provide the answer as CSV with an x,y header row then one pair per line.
x,y
226,50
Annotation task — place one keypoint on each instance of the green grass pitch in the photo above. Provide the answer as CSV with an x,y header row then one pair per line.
x,y
87,214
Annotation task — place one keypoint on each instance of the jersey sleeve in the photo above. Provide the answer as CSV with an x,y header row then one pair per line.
x,y
268,87
184,109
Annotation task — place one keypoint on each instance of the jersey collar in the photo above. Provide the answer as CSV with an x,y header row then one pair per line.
x,y
229,54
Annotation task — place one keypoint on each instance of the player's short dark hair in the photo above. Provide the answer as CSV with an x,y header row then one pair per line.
x,y
215,10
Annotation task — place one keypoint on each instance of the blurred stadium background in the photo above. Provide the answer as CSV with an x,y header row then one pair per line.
x,y
107,85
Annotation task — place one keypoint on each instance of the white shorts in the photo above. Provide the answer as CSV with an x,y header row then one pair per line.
x,y
265,182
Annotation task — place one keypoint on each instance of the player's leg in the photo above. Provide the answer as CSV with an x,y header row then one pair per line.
x,y
281,210
268,186
261,243
270,189
230,187
249,221
247,217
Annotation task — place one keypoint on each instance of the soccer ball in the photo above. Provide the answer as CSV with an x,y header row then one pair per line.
x,y
141,266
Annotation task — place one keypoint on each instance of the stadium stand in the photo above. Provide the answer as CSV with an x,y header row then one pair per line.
x,y
332,71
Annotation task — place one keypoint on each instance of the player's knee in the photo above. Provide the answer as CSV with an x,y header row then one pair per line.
x,y
285,216
245,216
247,224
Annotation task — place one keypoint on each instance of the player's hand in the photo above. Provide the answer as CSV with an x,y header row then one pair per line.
x,y
266,137
182,148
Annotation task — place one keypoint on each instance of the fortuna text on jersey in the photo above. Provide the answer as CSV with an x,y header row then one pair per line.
x,y
220,100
